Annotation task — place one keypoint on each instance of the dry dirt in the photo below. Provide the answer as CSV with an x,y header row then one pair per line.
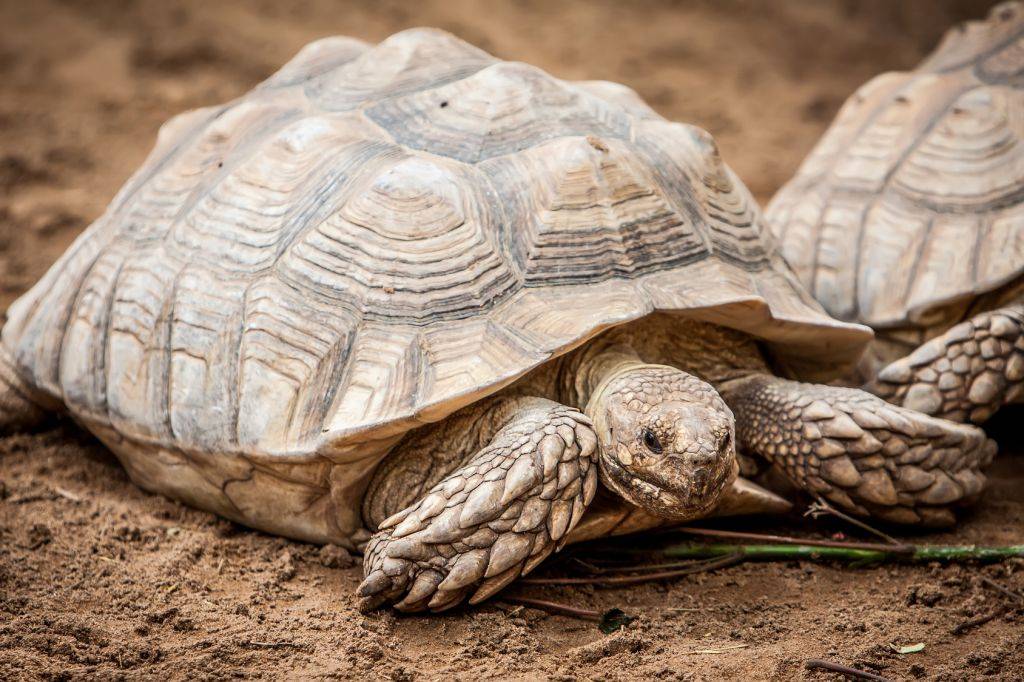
x,y
99,579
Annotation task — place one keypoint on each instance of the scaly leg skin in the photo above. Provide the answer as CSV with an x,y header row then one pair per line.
x,y
491,520
859,452
966,374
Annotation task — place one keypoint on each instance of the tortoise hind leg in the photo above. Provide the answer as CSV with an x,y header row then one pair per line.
x,y
17,411
860,452
966,374
497,513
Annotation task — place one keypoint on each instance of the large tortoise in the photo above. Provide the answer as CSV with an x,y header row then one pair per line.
x,y
909,217
412,299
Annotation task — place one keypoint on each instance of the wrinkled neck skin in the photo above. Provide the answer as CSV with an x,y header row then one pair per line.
x,y
598,367
635,405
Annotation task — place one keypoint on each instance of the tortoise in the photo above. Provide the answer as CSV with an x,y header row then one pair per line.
x,y
419,302
908,216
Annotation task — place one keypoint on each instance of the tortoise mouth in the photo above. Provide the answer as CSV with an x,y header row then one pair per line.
x,y
700,491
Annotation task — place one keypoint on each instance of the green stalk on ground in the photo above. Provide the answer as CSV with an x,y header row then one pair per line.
x,y
776,552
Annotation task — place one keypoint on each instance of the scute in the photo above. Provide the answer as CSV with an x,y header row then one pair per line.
x,y
308,272
203,338
290,357
414,199
376,255
406,62
975,41
498,110
712,194
972,160
587,210
908,205
619,95
137,360
320,56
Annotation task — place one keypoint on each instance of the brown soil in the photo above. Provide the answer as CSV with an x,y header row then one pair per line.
x,y
99,579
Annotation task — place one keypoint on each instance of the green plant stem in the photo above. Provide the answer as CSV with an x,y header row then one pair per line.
x,y
790,552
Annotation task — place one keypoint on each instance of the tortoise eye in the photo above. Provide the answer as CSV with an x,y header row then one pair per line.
x,y
651,442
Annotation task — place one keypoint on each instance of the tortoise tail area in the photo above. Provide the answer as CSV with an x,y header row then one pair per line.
x,y
18,411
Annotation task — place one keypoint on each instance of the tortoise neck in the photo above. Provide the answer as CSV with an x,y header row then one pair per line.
x,y
598,365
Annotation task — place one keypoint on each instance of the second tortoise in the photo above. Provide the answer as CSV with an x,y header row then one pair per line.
x,y
909,217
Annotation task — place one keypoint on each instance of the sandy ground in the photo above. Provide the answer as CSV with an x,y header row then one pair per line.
x,y
99,579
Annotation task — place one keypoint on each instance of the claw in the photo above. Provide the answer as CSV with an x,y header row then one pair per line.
x,y
375,583
421,592
368,604
445,599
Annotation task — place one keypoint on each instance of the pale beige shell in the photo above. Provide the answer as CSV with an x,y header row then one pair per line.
x,y
369,240
912,204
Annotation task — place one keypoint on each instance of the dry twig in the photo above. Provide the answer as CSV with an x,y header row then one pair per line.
x,y
822,507
980,620
67,494
817,663
689,568
996,586
786,540
274,645
555,608
724,649
778,552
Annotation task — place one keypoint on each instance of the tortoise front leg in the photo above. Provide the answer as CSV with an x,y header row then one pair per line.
x,y
858,451
492,519
966,374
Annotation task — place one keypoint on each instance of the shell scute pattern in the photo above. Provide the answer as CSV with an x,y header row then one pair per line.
x,y
583,213
503,108
84,346
975,150
619,95
336,257
292,352
974,41
203,341
190,158
238,223
409,244
896,218
406,62
137,353
711,196
1003,66
316,58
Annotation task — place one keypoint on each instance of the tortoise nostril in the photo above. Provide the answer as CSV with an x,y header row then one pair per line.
x,y
703,458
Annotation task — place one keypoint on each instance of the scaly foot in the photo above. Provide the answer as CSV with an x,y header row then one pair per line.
x,y
965,374
490,521
859,452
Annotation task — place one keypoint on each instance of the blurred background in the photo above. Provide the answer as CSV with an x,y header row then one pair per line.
x,y
84,84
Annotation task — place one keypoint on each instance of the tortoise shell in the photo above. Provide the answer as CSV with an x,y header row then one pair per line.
x,y
373,238
912,204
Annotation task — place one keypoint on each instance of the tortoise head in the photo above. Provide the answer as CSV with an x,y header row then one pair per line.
x,y
667,440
